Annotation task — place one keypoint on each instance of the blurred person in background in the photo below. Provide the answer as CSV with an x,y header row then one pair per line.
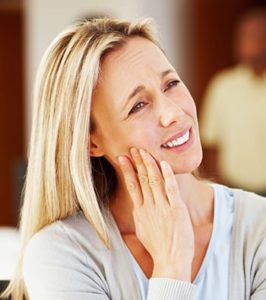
x,y
233,120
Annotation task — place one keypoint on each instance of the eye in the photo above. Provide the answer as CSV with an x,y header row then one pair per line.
x,y
172,84
137,107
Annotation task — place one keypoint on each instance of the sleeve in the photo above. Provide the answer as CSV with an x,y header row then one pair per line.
x,y
55,268
259,283
169,289
209,118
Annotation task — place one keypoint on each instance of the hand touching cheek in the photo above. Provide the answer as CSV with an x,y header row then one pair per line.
x,y
161,218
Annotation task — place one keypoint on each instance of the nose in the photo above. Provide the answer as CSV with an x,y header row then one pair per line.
x,y
170,112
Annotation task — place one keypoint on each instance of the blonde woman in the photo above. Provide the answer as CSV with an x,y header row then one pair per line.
x,y
112,209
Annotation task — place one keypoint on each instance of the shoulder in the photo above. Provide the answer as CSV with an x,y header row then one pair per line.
x,y
249,242
71,242
65,252
219,90
250,221
74,231
236,71
228,77
250,205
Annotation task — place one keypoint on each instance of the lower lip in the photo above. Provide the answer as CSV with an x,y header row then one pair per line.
x,y
184,146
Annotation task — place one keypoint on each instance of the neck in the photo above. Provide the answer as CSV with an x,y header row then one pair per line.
x,y
196,194
259,72
258,68
198,197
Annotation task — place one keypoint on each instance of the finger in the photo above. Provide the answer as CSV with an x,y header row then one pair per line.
x,y
131,180
171,187
142,176
155,178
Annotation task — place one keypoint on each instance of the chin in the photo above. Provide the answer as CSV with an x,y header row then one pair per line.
x,y
187,166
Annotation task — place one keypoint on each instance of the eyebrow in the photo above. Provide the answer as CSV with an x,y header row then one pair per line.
x,y
141,87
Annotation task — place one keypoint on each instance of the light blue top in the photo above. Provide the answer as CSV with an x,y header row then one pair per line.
x,y
213,277
67,260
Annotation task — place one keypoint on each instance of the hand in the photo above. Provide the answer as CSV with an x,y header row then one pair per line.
x,y
161,218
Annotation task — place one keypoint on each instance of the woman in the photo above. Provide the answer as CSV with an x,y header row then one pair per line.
x,y
112,209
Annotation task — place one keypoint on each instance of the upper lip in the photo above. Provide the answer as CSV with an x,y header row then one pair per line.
x,y
177,135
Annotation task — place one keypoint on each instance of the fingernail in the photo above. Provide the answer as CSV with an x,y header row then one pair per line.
x,y
121,160
164,165
142,152
134,152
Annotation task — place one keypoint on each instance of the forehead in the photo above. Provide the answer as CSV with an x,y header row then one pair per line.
x,y
137,63
136,57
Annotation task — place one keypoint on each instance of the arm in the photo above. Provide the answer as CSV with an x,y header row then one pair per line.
x,y
54,270
258,291
162,225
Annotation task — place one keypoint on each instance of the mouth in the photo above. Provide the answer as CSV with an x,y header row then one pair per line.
x,y
177,140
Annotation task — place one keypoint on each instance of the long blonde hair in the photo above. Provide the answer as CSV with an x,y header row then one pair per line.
x,y
61,177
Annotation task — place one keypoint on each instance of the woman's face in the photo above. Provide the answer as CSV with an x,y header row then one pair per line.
x,y
141,102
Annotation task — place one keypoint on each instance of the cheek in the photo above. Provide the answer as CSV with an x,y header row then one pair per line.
x,y
147,137
117,141
190,108
188,103
142,135
139,134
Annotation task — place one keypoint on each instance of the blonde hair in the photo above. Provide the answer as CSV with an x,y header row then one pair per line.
x,y
61,177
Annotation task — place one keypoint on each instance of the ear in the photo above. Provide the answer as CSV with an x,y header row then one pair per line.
x,y
95,148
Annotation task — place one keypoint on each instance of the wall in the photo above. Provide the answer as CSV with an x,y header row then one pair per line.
x,y
172,18
11,110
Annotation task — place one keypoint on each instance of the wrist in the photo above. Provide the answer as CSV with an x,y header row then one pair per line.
x,y
174,272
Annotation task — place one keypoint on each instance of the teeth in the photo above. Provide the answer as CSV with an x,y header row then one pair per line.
x,y
177,142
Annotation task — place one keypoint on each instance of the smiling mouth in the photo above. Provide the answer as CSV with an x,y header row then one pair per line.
x,y
178,141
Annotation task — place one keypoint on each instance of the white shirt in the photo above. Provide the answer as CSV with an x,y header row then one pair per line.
x,y
233,120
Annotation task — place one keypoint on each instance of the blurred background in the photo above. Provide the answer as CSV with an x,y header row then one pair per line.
x,y
196,34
